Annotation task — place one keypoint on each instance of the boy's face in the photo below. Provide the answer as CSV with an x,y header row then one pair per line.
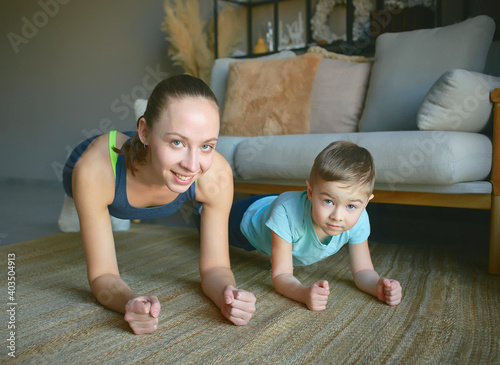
x,y
336,207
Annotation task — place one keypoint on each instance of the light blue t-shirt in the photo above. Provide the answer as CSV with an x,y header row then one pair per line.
x,y
289,216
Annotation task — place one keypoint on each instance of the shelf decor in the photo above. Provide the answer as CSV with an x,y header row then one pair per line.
x,y
260,46
321,31
295,37
401,4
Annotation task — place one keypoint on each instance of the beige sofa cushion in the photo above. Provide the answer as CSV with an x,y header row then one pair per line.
x,y
220,70
338,95
269,97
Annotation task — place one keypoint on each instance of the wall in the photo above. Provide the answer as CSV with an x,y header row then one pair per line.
x,y
69,69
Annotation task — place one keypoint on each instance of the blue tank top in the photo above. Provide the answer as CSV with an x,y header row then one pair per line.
x,y
120,207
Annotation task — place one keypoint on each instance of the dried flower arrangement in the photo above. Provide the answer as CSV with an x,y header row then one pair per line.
x,y
191,45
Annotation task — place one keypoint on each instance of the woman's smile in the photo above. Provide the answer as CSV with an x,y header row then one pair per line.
x,y
182,179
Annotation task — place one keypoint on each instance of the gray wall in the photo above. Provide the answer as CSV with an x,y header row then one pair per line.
x,y
70,68
67,70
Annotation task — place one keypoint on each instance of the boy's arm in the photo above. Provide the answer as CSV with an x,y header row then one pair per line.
x,y
367,279
314,296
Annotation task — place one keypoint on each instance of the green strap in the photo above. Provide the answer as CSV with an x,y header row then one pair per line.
x,y
113,156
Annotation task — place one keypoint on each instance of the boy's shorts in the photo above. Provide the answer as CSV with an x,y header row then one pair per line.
x,y
236,238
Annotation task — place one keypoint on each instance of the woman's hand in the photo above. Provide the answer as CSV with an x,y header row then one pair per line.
x,y
239,305
142,313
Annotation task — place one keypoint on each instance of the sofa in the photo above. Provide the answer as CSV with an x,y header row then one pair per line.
x,y
421,105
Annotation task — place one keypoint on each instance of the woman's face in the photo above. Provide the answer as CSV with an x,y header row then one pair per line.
x,y
182,143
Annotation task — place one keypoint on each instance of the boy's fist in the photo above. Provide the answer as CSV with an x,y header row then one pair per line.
x,y
318,296
389,291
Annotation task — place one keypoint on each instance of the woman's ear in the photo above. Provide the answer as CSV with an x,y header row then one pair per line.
x,y
142,130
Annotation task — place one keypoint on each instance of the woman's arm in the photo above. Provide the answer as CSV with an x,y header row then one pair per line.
x,y
93,191
215,191
367,279
314,296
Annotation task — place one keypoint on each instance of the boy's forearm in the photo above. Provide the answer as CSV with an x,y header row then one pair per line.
x,y
366,280
288,286
112,292
213,282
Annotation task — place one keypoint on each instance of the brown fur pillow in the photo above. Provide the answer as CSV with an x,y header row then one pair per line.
x,y
269,97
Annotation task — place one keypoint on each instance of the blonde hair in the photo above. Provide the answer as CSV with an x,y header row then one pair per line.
x,y
347,162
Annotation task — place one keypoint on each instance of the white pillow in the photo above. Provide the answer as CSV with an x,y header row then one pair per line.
x,y
458,101
220,70
408,63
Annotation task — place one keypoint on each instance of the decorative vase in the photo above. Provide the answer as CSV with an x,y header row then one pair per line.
x,y
260,47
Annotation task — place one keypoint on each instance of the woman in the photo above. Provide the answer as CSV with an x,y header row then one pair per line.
x,y
170,160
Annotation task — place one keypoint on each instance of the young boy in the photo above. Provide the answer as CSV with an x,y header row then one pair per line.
x,y
301,228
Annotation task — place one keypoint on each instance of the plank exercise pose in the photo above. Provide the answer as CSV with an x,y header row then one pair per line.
x,y
301,228
151,173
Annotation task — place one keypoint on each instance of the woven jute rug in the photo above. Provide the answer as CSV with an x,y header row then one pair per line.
x,y
450,313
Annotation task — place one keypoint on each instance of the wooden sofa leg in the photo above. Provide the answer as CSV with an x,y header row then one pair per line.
x,y
494,255
494,266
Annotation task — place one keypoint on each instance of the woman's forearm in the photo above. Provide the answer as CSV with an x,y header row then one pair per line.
x,y
112,292
213,282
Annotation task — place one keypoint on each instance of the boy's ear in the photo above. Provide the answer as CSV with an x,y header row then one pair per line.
x,y
371,197
309,190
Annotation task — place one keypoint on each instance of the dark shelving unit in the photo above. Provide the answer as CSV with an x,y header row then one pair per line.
x,y
349,46
250,4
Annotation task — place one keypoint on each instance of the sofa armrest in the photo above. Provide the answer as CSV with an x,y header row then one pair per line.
x,y
495,167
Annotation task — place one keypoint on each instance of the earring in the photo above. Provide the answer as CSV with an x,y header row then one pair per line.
x,y
144,146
